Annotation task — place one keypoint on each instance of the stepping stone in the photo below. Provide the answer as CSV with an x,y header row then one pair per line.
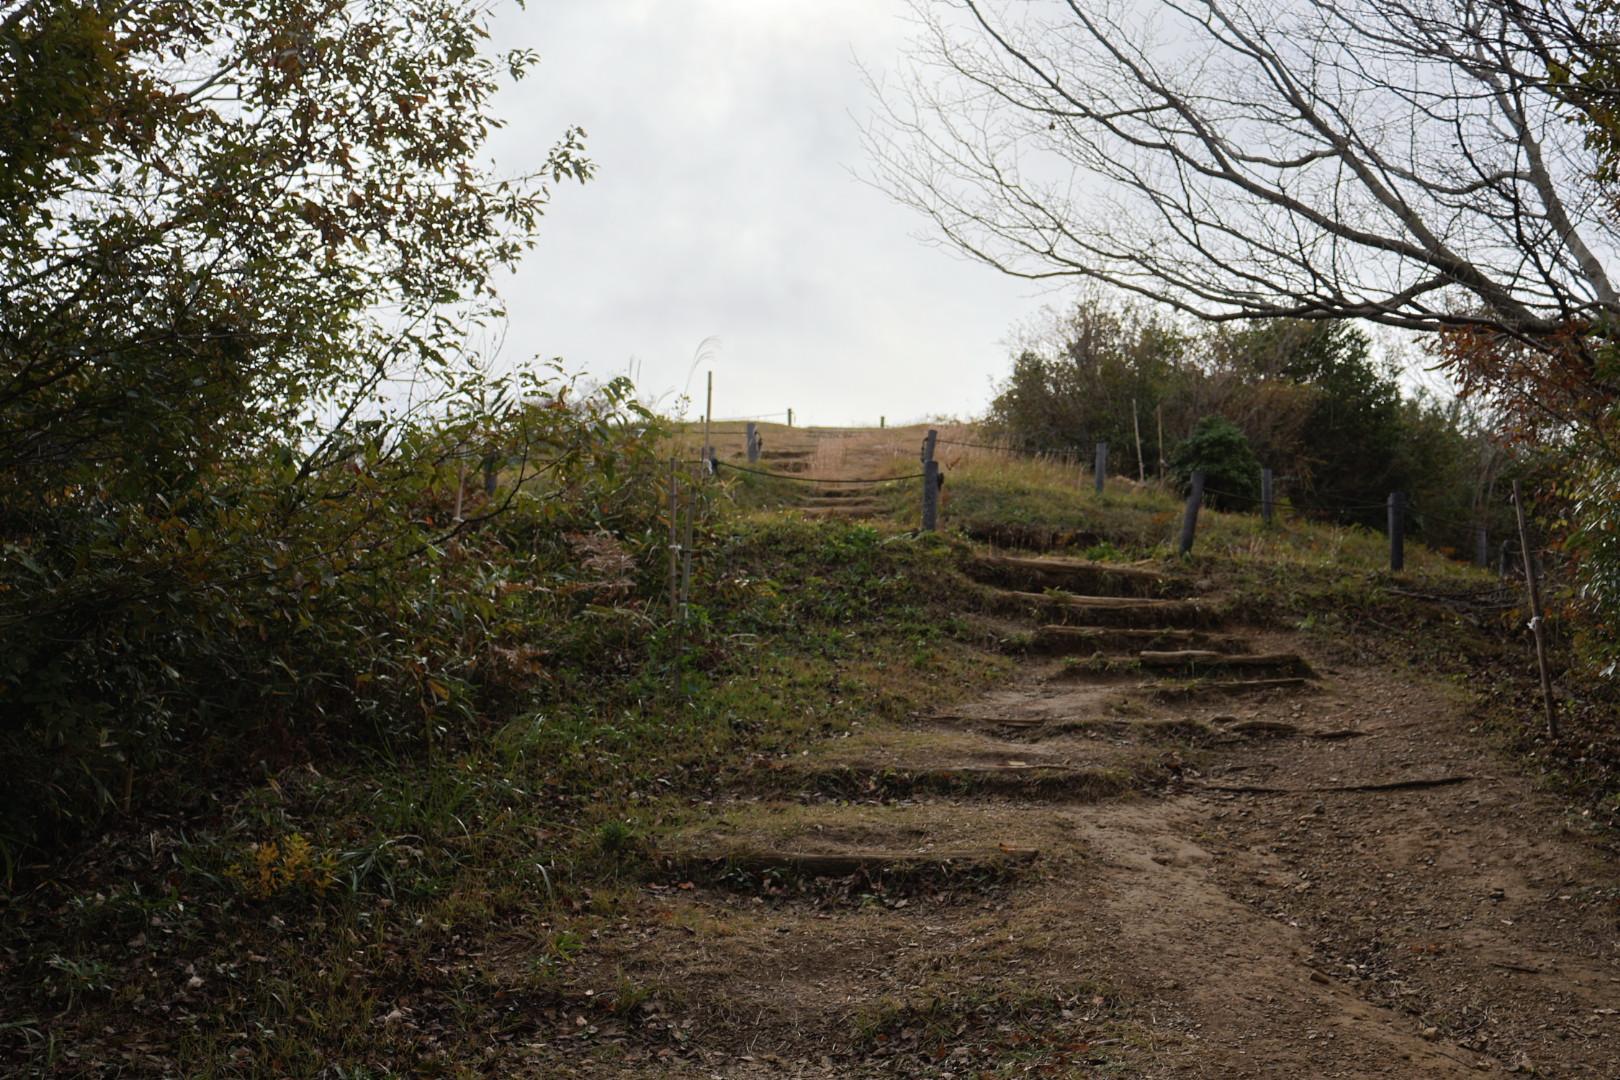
x,y
1073,575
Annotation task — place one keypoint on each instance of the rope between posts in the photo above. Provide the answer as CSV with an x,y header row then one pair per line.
x,y
1007,449
818,479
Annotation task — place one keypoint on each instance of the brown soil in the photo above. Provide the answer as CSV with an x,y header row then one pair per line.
x,y
1327,879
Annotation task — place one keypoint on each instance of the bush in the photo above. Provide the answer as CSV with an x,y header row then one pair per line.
x,y
1221,452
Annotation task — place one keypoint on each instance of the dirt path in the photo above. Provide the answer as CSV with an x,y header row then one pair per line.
x,y
1157,862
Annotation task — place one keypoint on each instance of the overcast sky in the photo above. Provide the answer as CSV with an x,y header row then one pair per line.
x,y
726,134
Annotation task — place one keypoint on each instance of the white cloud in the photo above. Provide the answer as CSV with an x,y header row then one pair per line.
x,y
725,206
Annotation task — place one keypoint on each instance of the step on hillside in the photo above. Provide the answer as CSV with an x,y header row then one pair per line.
x,y
1071,610
896,870
1207,688
1072,575
1029,781
1197,662
1058,640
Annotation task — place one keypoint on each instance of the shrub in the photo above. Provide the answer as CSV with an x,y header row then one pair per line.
x,y
1221,452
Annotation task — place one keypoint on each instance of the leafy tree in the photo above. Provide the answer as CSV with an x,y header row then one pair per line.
x,y
1353,456
1218,449
242,245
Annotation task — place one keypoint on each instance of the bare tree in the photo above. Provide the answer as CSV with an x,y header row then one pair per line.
x,y
1410,162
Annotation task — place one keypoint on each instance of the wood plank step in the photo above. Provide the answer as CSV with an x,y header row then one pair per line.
x,y
1058,640
1072,610
1043,780
895,868
1074,575
1227,688
1207,661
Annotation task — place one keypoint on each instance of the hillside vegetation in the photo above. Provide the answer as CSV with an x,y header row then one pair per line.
x,y
269,911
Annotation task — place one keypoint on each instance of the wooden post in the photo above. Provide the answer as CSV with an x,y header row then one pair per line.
x,y
790,418
686,548
674,546
1141,466
1102,466
1482,547
929,441
1397,531
708,416
930,507
1534,587
753,443
883,422
1189,520
1160,410
1268,496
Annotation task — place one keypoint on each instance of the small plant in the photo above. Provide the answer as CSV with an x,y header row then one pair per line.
x,y
278,867
616,837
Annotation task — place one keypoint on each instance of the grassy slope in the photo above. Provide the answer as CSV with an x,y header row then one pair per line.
x,y
193,943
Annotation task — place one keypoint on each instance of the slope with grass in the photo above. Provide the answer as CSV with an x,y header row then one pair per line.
x,y
1030,797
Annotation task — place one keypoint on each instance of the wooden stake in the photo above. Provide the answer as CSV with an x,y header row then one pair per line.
x,y
1159,409
674,545
1534,587
708,416
1189,520
930,506
1141,466
1397,531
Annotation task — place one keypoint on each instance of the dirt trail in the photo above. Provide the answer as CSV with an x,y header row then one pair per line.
x,y
1111,869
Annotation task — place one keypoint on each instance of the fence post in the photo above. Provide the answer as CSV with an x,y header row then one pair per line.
x,y
708,418
1141,466
930,507
929,442
883,422
1102,465
1268,496
790,418
674,546
1397,531
1534,587
1482,547
1189,520
753,443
